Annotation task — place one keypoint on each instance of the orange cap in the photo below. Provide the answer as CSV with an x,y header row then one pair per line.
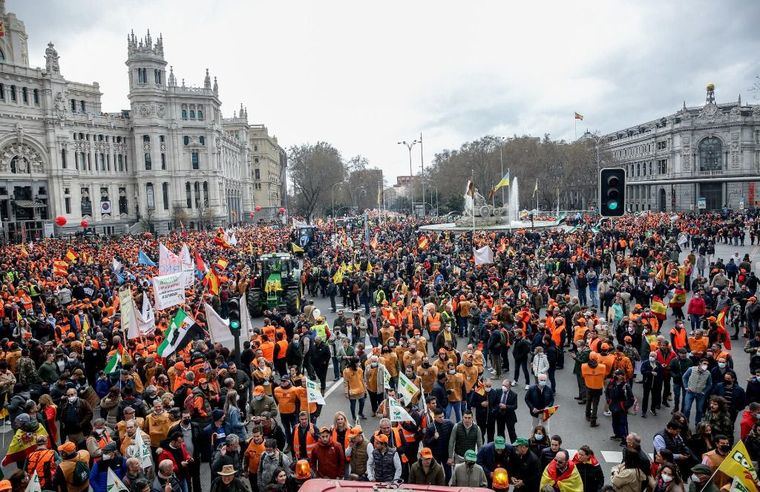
x,y
67,448
381,438
258,391
425,453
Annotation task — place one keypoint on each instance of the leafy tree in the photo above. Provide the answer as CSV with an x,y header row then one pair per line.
x,y
314,169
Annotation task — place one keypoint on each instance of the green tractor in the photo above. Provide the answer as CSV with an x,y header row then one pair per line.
x,y
276,284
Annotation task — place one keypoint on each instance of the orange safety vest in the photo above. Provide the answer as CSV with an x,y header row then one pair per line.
x,y
311,442
434,322
398,441
267,350
283,349
346,438
679,338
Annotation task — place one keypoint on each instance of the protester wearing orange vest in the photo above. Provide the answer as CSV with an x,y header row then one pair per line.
x,y
304,437
253,456
593,373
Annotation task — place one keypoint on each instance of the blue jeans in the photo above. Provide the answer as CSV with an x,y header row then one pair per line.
x,y
336,368
677,398
594,297
694,320
690,397
456,407
352,402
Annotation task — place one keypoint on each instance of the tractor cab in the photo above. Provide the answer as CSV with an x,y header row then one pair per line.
x,y
277,280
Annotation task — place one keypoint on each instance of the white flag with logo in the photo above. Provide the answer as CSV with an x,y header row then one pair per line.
x,y
128,314
187,265
484,255
34,484
406,388
168,262
313,394
141,450
386,378
218,328
146,320
397,411
169,290
114,484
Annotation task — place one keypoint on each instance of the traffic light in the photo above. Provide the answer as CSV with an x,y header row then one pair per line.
x,y
612,192
234,313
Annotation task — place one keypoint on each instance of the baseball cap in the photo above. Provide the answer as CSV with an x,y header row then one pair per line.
x,y
470,455
258,391
381,438
426,453
520,441
499,443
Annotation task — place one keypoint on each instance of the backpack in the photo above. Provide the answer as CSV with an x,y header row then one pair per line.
x,y
81,474
629,398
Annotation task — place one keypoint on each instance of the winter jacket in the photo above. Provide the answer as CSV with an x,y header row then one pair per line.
x,y
468,476
540,364
327,460
434,476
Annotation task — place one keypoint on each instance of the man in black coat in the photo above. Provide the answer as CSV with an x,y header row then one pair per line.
x,y
539,397
502,405
520,352
320,360
196,445
437,439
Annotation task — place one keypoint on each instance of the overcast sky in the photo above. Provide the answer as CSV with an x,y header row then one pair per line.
x,y
363,75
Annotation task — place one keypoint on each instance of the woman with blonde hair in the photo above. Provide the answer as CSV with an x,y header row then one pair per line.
x,y
341,430
234,422
49,411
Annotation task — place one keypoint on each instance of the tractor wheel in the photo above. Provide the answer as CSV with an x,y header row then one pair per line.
x,y
255,302
293,302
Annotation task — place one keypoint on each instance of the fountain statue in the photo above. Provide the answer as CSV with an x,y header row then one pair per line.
x,y
477,211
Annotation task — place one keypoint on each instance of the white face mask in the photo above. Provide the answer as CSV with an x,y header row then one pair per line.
x,y
703,367
694,478
666,478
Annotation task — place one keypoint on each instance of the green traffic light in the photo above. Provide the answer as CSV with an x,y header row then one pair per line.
x,y
234,325
612,205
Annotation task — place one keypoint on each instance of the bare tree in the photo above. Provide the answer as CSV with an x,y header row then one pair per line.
x,y
314,169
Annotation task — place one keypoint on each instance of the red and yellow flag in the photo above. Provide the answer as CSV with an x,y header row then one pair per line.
x,y
70,256
423,242
60,268
222,263
22,444
548,412
211,281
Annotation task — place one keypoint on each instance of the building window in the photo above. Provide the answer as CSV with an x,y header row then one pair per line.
x,y
150,197
662,145
710,154
67,204
63,158
163,161
184,111
148,165
192,113
13,93
146,138
188,195
2,92
25,95
205,193
200,112
73,105
194,159
120,159
186,140
126,164
102,162
257,174
157,76
662,166
83,106
165,193
197,195
142,75
202,140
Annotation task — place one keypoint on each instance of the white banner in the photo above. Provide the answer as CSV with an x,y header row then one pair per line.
x,y
313,393
146,321
168,262
169,290
127,310
188,267
386,378
218,328
406,389
397,412
246,326
141,450
483,255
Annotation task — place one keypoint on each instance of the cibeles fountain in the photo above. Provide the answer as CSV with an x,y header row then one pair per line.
x,y
480,215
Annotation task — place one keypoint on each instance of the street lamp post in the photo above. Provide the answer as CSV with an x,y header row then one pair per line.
x,y
422,175
409,146
501,161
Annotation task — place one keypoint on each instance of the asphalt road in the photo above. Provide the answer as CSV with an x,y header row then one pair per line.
x,y
569,421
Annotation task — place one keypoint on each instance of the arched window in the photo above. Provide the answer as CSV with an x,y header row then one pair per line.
x,y
200,112
197,194
205,193
149,196
710,154
184,111
146,138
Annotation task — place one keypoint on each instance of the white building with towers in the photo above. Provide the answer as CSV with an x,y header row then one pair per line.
x,y
170,160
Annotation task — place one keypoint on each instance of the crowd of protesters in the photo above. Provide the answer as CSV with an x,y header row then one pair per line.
x,y
643,299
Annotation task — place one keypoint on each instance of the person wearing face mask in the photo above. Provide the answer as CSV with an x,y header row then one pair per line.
x,y
76,417
110,460
455,390
262,402
427,374
701,479
374,384
470,373
469,473
652,376
539,397
99,438
697,381
502,407
714,458
668,479
270,462
732,393
193,440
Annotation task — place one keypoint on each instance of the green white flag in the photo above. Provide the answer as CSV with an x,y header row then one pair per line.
x,y
313,394
141,450
34,484
113,363
386,378
175,334
406,389
397,412
114,484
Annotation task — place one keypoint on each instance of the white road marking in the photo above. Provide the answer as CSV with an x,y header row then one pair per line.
x,y
332,388
612,456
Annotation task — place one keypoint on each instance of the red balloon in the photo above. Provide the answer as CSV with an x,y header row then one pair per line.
x,y
258,208
84,223
282,210
60,220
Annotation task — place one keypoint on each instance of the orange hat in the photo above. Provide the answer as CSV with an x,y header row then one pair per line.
x,y
258,391
627,339
381,438
180,366
355,431
605,346
425,453
6,485
67,448
202,381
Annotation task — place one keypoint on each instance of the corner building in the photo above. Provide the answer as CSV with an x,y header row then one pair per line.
x,y
171,160
700,158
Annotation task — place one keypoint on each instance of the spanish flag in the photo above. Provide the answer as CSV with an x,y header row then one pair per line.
x,y
737,464
70,255
659,309
60,268
423,242
211,281
578,116
22,445
222,263
548,412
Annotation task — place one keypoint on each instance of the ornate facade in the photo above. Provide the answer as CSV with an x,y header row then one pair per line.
x,y
169,160
700,158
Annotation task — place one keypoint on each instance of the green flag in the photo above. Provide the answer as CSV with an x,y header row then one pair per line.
x,y
175,334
